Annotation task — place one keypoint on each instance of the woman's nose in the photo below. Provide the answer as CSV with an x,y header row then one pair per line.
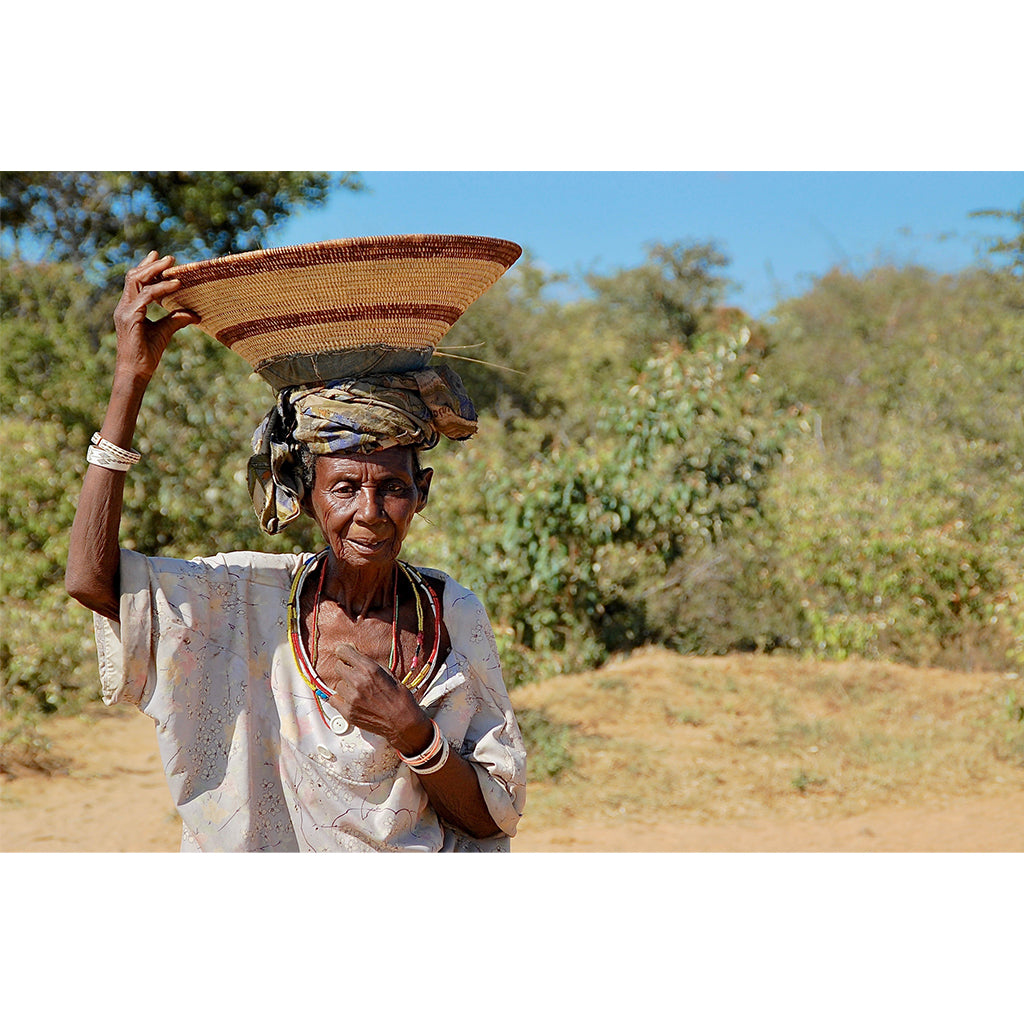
x,y
370,508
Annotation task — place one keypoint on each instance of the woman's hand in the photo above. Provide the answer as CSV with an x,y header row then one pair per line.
x,y
141,342
369,697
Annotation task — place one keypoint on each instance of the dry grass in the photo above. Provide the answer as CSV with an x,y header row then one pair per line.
x,y
662,737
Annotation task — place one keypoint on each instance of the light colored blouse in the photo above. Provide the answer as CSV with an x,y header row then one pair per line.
x,y
203,649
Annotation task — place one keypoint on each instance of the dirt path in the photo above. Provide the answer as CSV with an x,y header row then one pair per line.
x,y
114,798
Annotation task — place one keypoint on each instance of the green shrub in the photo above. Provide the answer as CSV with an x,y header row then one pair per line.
x,y
895,568
569,545
547,744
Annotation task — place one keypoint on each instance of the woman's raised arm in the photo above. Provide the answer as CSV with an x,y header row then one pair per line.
x,y
94,556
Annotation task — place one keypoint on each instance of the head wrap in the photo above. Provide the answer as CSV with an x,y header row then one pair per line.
x,y
342,417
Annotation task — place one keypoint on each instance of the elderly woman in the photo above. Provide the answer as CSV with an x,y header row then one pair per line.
x,y
337,701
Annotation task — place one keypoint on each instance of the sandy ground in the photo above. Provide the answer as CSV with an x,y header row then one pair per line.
x,y
113,798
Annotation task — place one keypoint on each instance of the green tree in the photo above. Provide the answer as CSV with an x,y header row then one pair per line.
x,y
667,298
1011,248
104,221
639,442
580,548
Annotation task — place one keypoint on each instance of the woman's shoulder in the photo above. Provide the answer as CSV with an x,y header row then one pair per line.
x,y
464,614
257,567
255,560
236,566
453,591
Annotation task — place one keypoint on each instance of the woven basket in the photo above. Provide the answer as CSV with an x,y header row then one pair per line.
x,y
306,313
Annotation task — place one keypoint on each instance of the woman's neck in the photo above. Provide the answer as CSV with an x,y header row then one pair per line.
x,y
358,590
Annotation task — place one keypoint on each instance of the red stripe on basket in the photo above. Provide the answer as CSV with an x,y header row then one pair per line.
x,y
348,251
344,314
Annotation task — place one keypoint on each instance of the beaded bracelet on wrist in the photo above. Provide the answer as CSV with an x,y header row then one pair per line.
x,y
109,456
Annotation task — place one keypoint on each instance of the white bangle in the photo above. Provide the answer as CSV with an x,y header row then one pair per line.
x,y
446,750
98,457
103,453
131,456
431,751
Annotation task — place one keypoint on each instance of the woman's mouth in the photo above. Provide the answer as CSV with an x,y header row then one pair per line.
x,y
368,544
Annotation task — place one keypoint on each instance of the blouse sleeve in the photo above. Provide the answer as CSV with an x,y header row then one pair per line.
x,y
177,616
125,648
492,742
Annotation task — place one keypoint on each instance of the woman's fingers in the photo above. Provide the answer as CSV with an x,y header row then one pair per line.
x,y
141,342
358,669
360,678
174,322
152,266
146,283
160,289
152,274
142,285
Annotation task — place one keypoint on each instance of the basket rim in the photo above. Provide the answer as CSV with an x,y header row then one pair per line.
x,y
365,247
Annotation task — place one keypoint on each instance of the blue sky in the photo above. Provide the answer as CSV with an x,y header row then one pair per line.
x,y
779,229
771,92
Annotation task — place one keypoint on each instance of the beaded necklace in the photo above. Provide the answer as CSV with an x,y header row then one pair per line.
x,y
417,673
302,661
411,681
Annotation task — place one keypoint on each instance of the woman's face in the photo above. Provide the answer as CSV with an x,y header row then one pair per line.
x,y
364,504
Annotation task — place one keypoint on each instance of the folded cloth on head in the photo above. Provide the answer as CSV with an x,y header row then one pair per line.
x,y
350,417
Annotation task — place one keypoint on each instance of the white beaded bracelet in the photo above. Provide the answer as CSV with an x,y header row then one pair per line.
x,y
103,453
130,456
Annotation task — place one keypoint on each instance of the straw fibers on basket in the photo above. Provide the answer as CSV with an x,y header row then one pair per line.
x,y
341,308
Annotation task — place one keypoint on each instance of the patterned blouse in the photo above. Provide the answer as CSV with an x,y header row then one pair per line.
x,y
203,649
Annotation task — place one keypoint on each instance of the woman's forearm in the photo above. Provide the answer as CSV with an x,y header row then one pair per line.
x,y
92,575
453,789
454,793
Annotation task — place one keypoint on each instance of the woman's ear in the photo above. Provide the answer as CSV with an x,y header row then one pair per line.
x,y
307,481
423,486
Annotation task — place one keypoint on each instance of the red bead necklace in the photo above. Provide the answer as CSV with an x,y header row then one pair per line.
x,y
413,679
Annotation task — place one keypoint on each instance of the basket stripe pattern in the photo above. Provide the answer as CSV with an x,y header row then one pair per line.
x,y
298,306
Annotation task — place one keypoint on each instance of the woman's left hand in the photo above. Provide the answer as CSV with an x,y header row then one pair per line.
x,y
369,697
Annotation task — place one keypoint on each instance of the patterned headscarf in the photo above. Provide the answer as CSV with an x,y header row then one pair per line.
x,y
348,417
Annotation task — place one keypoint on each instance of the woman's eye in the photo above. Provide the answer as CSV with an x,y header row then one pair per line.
x,y
392,488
